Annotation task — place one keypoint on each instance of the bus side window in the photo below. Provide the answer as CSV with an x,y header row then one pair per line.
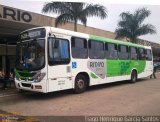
x,y
96,49
111,51
148,55
123,52
58,51
79,48
133,53
141,54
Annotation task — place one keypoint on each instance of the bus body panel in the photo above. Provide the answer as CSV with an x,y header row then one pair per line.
x,y
100,71
61,77
147,71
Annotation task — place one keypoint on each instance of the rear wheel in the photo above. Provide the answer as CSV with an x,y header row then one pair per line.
x,y
80,84
133,76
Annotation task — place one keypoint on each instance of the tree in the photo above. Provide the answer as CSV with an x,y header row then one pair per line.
x,y
131,25
74,12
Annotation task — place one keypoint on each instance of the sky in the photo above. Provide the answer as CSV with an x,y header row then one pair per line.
x,y
114,9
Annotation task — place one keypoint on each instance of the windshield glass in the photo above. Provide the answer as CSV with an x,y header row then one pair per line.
x,y
30,55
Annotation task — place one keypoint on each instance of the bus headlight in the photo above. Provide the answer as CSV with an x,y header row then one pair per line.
x,y
40,77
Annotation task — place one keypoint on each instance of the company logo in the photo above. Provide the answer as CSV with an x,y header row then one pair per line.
x,y
15,15
97,64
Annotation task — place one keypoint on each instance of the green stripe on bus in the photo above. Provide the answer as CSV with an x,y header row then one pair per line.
x,y
25,74
124,67
98,38
94,76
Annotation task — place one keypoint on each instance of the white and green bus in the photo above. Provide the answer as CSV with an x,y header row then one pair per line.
x,y
73,60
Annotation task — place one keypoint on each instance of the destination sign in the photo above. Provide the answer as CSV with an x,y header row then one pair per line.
x,y
33,34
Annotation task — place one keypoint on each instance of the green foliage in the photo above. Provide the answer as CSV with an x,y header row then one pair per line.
x,y
131,25
74,12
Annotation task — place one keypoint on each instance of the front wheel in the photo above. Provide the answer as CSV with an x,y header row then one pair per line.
x,y
133,76
80,84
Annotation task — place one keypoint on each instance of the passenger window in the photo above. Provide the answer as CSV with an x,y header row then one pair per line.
x,y
148,55
141,54
123,52
111,51
58,51
79,48
133,53
96,49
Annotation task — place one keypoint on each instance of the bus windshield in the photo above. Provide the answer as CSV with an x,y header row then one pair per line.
x,y
30,54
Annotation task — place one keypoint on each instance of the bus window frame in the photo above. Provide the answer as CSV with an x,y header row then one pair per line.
x,y
133,53
115,50
89,47
85,41
121,53
144,55
60,62
150,55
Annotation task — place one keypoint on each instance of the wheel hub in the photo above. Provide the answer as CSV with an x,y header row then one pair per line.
x,y
80,83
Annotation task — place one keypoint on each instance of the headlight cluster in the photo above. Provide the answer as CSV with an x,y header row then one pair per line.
x,y
40,77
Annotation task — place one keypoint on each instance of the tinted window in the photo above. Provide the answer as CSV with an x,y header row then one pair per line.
x,y
148,55
111,50
79,48
141,54
133,54
123,52
58,51
96,49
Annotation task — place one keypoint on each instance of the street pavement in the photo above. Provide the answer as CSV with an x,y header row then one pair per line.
x,y
114,99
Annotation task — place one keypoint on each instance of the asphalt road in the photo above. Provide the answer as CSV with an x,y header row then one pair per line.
x,y
121,98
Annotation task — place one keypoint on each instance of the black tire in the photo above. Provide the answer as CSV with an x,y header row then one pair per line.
x,y
80,84
133,76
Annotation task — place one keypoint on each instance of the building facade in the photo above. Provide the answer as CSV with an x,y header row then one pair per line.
x,y
13,21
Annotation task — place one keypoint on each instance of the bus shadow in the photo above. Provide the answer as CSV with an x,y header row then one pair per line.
x,y
115,84
108,85
66,93
46,96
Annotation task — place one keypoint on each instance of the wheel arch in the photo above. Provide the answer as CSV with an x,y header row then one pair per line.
x,y
134,69
133,73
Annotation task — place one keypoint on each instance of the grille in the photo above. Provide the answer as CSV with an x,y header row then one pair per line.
x,y
26,85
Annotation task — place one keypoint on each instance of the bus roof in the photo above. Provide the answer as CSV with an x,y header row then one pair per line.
x,y
98,38
83,35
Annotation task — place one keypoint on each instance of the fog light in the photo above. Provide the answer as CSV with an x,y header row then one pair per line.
x,y
38,87
39,78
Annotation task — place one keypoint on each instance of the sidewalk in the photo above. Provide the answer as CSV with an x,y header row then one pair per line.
x,y
15,117
10,89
